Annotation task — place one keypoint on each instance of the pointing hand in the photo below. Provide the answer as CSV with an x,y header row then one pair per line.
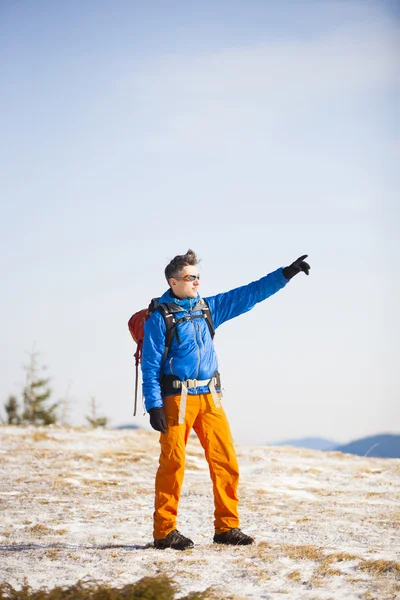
x,y
297,266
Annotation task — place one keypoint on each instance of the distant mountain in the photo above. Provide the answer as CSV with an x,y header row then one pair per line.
x,y
129,426
312,443
385,445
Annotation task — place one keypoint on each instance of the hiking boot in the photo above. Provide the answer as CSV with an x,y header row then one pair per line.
x,y
233,537
174,540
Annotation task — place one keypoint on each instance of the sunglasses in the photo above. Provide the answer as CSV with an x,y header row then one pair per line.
x,y
189,278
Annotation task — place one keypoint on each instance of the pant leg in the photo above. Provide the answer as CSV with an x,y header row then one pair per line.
x,y
213,431
171,468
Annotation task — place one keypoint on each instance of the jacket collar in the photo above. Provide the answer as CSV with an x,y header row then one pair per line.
x,y
187,303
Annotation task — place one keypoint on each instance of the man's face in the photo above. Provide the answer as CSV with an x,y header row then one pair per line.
x,y
184,288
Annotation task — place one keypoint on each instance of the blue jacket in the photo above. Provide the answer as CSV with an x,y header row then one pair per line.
x,y
195,357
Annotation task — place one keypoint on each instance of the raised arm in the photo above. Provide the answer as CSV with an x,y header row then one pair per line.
x,y
231,304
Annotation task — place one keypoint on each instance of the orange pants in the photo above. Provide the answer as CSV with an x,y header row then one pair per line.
x,y
212,429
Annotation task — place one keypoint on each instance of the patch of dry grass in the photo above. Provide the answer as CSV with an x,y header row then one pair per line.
x,y
380,567
295,576
148,588
264,551
122,456
138,491
306,552
339,557
264,546
83,457
122,473
53,554
373,471
39,529
59,481
255,458
196,453
324,570
374,590
98,483
194,467
393,519
60,531
39,436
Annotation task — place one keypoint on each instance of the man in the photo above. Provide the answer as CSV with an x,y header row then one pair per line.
x,y
182,391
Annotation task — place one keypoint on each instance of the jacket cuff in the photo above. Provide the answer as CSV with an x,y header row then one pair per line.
x,y
284,279
153,404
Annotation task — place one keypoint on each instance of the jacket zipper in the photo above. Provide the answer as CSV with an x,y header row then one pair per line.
x,y
197,346
170,365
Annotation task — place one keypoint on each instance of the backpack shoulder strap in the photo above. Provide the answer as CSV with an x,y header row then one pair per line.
x,y
208,317
205,309
168,312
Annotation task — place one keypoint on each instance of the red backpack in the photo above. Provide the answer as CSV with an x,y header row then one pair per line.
x,y
169,312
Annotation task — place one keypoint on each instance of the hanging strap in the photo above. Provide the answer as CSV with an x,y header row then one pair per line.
x,y
138,358
214,393
182,405
136,389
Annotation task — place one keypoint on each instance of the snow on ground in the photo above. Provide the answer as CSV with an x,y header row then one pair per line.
x,y
79,502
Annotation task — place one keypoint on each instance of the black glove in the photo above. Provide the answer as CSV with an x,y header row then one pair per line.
x,y
297,266
158,420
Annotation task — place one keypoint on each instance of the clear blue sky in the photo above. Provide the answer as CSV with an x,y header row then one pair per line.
x,y
252,132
